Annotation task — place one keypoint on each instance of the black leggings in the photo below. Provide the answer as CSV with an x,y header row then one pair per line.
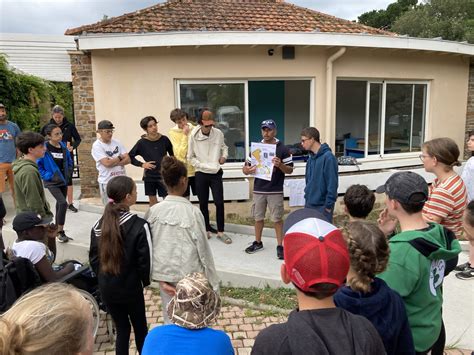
x,y
60,193
123,314
3,213
203,182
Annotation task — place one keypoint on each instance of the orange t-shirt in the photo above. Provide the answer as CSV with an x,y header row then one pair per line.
x,y
447,200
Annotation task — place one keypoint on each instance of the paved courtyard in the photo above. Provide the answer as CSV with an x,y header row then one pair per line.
x,y
240,323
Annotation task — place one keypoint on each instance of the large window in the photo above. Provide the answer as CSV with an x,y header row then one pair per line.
x,y
227,102
379,118
240,106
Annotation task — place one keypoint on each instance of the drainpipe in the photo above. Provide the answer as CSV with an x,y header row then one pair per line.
x,y
329,82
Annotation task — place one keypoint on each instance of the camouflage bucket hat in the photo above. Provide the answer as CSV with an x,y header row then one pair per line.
x,y
195,305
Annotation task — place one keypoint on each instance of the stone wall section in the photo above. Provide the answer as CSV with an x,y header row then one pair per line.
x,y
470,108
84,112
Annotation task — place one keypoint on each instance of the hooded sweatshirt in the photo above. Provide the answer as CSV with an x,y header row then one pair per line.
x,y
179,140
204,151
321,179
320,331
419,260
151,150
29,192
384,308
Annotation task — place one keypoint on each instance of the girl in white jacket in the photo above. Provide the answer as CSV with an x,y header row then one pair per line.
x,y
180,244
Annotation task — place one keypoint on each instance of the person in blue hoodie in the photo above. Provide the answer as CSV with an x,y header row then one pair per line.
x,y
321,176
56,170
369,296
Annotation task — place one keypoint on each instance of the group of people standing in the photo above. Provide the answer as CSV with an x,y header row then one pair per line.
x,y
362,262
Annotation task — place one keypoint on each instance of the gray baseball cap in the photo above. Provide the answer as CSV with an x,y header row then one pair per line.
x,y
406,187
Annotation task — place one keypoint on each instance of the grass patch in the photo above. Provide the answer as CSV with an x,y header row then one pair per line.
x,y
279,297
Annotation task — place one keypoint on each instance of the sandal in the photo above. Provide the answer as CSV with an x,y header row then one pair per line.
x,y
224,238
208,235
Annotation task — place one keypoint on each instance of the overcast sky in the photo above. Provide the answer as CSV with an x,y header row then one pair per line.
x,y
55,16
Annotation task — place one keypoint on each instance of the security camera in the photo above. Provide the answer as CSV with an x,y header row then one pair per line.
x,y
271,51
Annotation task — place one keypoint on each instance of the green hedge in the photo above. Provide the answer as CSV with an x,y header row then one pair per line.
x,y
29,98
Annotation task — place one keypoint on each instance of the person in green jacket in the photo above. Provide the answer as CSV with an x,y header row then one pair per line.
x,y
29,191
421,255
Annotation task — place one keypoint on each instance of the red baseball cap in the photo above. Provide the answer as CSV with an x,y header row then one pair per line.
x,y
314,252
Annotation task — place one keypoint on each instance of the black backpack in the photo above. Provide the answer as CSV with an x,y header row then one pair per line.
x,y
17,276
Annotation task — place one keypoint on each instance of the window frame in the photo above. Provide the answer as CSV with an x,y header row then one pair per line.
x,y
425,124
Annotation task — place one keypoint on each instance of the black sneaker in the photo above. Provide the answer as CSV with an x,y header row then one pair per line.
x,y
280,252
73,208
212,230
467,274
254,247
462,267
62,237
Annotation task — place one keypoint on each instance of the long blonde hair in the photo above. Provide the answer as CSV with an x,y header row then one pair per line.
x,y
53,319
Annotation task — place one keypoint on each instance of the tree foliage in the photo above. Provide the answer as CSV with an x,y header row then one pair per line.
x,y
29,98
384,19
448,19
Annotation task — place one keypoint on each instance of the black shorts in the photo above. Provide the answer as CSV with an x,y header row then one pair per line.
x,y
151,187
191,186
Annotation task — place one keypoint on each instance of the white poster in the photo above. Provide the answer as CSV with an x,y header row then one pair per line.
x,y
261,156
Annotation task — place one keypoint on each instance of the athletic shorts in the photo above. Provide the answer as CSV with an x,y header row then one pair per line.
x,y
274,203
152,187
6,171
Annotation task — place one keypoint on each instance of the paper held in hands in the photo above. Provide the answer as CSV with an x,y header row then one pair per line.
x,y
261,156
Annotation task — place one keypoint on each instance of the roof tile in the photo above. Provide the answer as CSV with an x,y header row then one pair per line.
x,y
225,15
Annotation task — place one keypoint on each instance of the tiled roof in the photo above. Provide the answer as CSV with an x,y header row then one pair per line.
x,y
225,15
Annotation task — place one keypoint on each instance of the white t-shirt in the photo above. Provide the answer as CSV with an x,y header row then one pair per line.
x,y
468,178
101,150
32,250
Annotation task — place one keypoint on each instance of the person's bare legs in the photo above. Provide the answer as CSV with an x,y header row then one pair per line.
x,y
153,200
259,230
70,199
279,231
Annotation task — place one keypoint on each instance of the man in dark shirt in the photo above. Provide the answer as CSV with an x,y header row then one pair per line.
x,y
269,193
71,138
152,147
317,262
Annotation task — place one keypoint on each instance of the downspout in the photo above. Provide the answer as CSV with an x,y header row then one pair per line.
x,y
329,81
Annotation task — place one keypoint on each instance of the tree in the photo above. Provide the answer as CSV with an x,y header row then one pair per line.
x,y
28,98
448,19
384,19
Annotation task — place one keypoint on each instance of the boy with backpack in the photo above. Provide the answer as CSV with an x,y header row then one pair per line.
x,y
421,255
316,261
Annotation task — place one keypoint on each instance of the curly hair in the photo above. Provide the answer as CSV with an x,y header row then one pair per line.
x,y
369,252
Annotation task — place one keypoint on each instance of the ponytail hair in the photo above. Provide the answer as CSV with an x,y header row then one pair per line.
x,y
53,319
369,252
110,241
445,150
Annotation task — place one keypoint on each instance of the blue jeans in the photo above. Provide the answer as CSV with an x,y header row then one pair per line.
x,y
326,214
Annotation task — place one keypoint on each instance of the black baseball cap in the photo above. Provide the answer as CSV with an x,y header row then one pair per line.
x,y
105,124
406,187
27,220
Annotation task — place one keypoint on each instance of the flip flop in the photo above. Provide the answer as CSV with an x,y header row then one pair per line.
x,y
224,238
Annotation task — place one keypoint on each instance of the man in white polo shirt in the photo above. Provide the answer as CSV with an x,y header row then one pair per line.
x,y
110,157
